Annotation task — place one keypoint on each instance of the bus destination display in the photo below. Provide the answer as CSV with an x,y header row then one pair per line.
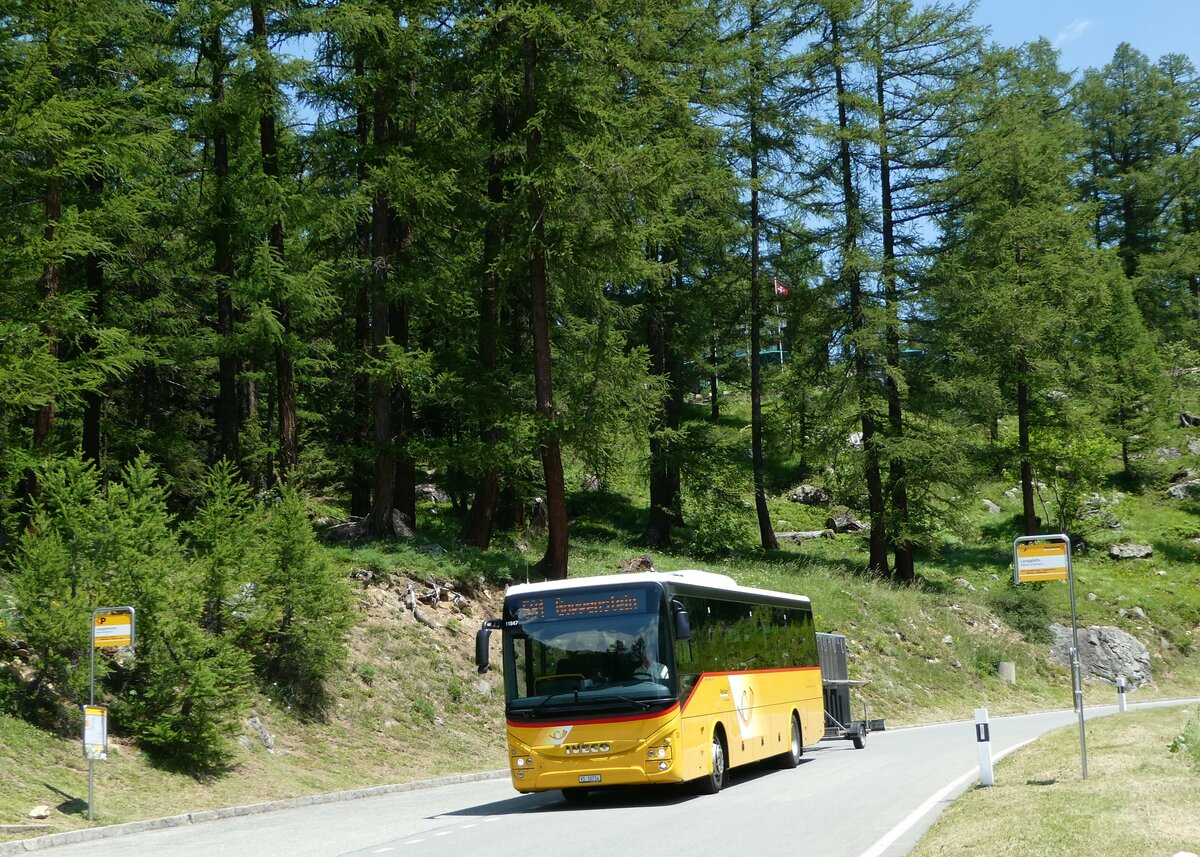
x,y
581,605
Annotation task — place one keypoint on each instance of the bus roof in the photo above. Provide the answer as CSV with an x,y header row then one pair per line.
x,y
688,578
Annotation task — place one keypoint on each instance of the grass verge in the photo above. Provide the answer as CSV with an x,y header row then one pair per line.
x,y
1140,797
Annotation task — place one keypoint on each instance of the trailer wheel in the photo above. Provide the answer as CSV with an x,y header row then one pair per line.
x,y
859,739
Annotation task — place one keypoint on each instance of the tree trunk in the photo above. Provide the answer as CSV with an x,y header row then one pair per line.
x,y
44,419
878,561
477,528
553,565
405,486
228,412
93,400
285,384
766,532
1029,510
380,522
361,475
714,397
664,460
898,523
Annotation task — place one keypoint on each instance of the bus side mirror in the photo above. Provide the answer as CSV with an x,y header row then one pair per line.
x,y
683,627
482,636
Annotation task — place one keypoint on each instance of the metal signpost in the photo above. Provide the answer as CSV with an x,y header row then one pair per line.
x,y
112,628
1040,558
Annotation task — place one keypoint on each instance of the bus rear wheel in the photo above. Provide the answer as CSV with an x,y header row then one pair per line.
x,y
790,758
715,780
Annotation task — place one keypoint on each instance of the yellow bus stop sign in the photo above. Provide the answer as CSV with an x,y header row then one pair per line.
x,y
1037,561
112,628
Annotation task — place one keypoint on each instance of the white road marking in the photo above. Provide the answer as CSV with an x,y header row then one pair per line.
x,y
413,842
913,817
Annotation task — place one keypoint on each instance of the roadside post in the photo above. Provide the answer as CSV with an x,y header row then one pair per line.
x,y
1121,693
1041,558
983,740
112,628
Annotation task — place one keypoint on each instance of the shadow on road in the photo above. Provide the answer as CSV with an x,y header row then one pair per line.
x,y
612,797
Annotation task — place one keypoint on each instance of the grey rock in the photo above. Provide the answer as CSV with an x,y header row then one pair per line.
x,y
260,731
40,811
1168,453
1105,652
483,688
432,550
1012,493
592,482
1131,551
645,562
1139,612
990,507
430,493
402,525
809,495
1193,446
1091,596
1184,490
948,639
964,583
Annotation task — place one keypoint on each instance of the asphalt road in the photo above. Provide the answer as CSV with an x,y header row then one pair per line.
x,y
840,802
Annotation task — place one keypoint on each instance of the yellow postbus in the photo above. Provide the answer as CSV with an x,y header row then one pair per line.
x,y
653,678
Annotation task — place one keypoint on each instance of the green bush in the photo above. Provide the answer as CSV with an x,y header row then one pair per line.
x,y
1025,610
1187,742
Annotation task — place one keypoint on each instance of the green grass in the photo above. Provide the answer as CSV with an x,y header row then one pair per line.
x,y
1139,797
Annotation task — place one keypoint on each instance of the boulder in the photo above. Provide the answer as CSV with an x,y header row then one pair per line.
x,y
430,493
1131,551
844,524
638,563
1184,490
990,507
40,811
1187,420
963,583
1105,652
1193,446
809,495
1168,453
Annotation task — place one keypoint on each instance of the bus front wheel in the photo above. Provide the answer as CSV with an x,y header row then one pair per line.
x,y
715,780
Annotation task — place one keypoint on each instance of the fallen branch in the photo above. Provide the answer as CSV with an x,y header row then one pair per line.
x,y
412,605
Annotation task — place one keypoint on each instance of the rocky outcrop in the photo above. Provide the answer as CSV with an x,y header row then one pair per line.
x,y
809,495
1105,652
1184,490
1131,551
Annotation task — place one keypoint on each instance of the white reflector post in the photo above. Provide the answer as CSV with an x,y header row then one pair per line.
x,y
1121,693
983,740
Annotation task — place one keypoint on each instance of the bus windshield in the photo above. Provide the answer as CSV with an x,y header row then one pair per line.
x,y
594,650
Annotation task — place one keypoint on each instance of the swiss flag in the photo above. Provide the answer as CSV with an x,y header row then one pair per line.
x,y
780,288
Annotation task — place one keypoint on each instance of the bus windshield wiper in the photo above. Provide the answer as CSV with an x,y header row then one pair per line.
x,y
553,696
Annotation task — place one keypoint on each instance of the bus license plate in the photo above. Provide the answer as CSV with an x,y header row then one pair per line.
x,y
590,778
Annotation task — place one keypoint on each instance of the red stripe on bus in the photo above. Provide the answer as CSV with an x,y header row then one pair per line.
x,y
574,721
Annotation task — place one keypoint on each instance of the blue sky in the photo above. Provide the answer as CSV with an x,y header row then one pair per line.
x,y
1088,31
